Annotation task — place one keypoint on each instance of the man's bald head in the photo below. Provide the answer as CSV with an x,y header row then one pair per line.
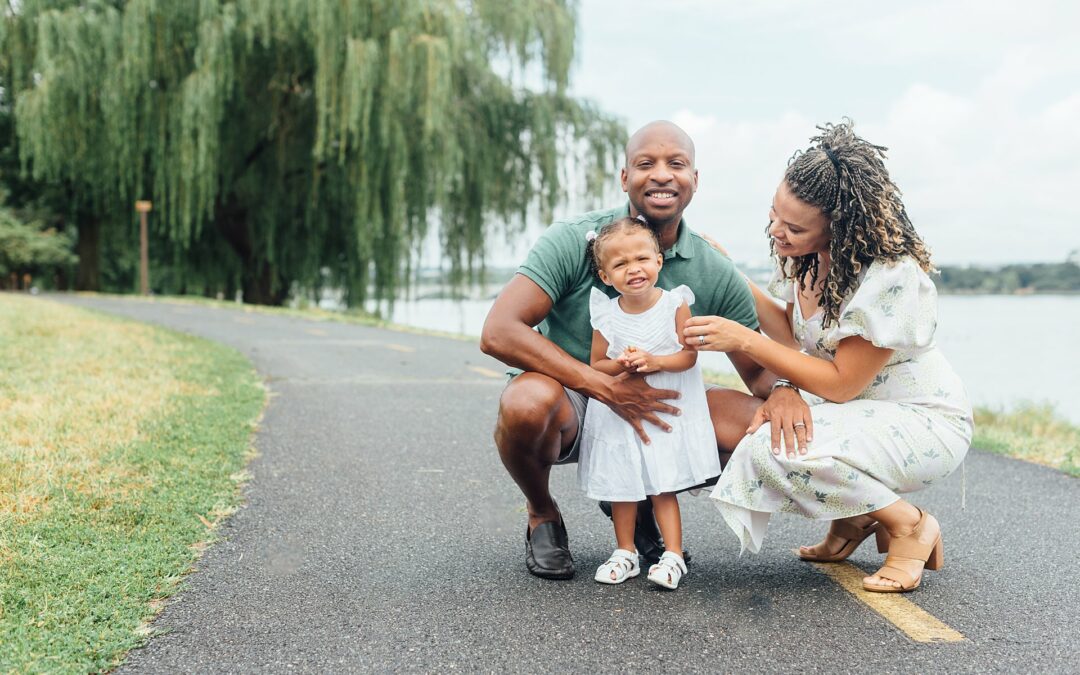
x,y
659,176
659,131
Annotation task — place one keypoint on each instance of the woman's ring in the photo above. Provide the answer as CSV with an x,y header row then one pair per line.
x,y
701,339
799,424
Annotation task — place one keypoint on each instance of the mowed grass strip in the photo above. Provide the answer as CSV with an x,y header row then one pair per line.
x,y
1029,431
121,446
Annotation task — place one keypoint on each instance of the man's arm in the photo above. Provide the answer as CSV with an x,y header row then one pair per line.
x,y
508,335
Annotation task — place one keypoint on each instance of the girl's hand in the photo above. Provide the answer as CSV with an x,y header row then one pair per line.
x,y
627,356
715,334
642,361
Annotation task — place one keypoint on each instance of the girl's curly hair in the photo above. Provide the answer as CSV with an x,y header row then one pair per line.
x,y
594,247
845,177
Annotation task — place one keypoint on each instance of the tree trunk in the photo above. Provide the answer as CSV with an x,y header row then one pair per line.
x,y
88,277
261,283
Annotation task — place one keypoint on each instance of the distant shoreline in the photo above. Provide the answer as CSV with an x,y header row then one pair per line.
x,y
1020,292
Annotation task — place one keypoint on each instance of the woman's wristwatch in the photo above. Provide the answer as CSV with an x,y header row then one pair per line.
x,y
781,382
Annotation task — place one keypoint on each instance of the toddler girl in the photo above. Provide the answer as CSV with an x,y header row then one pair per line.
x,y
638,332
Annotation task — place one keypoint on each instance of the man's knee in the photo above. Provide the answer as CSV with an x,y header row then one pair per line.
x,y
731,412
529,407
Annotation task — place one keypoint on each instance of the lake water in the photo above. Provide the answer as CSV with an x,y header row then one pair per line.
x,y
1008,349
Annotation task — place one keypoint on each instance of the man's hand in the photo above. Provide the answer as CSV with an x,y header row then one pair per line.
x,y
631,398
790,421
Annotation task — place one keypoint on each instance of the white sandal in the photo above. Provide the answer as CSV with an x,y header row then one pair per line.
x,y
668,571
622,565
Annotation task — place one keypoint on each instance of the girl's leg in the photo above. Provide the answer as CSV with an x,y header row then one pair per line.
x,y
624,515
666,509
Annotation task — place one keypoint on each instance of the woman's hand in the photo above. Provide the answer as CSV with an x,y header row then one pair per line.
x,y
789,420
716,334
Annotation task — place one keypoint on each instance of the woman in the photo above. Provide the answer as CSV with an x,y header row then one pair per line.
x,y
856,330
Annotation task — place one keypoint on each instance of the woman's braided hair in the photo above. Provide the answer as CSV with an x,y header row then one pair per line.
x,y
625,224
845,177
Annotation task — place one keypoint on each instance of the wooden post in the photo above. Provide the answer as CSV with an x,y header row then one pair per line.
x,y
144,207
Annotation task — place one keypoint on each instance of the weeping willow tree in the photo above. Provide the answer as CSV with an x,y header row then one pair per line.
x,y
280,139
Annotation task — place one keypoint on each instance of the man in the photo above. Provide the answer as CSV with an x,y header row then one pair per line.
x,y
542,410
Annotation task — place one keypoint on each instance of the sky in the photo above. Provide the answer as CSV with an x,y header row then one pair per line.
x,y
978,103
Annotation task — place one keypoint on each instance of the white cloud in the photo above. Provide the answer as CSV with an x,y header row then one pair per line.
x,y
978,102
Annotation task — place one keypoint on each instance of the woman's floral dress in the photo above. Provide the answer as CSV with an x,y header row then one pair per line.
x,y
908,429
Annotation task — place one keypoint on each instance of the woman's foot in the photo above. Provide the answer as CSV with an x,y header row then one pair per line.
x,y
911,550
843,538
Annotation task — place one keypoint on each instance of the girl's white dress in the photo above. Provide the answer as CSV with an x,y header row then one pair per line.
x,y
908,429
614,464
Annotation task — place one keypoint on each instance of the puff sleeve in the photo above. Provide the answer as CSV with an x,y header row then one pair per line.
x,y
600,313
781,288
894,307
681,294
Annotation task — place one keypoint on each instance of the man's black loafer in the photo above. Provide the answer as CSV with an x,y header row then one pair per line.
x,y
547,551
647,537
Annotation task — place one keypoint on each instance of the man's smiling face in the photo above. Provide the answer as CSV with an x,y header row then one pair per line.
x,y
659,177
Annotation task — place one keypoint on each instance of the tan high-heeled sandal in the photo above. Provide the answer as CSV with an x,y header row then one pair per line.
x,y
908,549
854,537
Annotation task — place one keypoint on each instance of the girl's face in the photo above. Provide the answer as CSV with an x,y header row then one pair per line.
x,y
797,227
630,262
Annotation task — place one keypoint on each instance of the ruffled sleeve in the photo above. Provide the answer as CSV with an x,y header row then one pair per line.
x,y
600,313
781,288
894,307
681,294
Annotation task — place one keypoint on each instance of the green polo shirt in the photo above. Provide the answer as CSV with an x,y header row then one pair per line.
x,y
557,264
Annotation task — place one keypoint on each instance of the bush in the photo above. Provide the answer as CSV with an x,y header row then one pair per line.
x,y
28,250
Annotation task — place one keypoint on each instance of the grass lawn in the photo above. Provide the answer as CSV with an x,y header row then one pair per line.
x,y
121,446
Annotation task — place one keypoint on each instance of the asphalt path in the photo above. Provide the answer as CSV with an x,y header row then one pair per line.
x,y
381,533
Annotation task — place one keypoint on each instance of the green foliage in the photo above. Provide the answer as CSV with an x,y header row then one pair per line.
x,y
282,138
1038,278
28,249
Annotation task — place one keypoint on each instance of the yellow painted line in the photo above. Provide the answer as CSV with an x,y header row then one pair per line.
x,y
486,372
243,319
912,620
399,348
315,331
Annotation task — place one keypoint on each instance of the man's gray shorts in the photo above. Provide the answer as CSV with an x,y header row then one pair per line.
x,y
579,402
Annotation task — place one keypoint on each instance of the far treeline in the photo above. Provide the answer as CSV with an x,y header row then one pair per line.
x,y
286,145
1013,279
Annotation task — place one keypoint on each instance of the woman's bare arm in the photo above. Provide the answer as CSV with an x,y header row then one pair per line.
x,y
853,368
775,319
